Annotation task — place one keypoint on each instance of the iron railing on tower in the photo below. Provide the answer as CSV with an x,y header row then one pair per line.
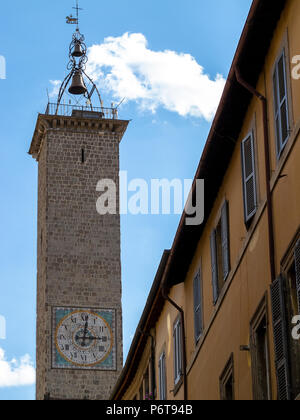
x,y
67,110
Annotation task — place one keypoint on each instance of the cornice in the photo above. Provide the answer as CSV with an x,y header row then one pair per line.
x,y
46,123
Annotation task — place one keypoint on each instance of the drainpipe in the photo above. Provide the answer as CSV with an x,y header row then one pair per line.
x,y
263,99
183,344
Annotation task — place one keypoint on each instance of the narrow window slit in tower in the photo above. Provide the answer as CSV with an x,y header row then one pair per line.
x,y
82,156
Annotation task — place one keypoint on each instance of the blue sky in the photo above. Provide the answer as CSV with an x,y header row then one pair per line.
x,y
165,139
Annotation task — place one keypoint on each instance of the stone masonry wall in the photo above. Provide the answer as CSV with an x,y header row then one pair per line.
x,y
79,253
41,274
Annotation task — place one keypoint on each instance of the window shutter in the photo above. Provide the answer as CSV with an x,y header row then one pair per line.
x,y
214,266
281,104
160,381
280,339
249,177
297,264
177,352
162,377
225,240
179,349
198,306
175,355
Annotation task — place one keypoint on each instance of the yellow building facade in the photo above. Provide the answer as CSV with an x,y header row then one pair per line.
x,y
220,321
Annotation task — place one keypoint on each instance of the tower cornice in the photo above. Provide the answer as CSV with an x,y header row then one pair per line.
x,y
84,121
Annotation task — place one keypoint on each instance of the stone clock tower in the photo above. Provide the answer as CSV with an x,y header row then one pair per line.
x,y
79,314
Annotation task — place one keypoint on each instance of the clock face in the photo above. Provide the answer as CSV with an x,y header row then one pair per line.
x,y
83,339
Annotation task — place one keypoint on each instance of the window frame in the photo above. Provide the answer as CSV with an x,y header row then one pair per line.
x,y
260,314
227,373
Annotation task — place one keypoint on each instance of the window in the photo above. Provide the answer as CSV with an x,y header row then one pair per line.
x,y
281,103
152,373
292,308
259,344
141,392
220,252
198,310
285,305
177,352
280,339
227,382
162,377
297,272
249,177
147,386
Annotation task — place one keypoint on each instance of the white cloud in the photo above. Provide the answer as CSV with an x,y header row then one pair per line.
x,y
55,88
126,67
16,373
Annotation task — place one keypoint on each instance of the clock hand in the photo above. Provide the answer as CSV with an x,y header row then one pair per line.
x,y
88,338
84,334
86,328
94,338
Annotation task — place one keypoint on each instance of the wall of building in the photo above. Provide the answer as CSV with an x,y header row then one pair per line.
x,y
227,327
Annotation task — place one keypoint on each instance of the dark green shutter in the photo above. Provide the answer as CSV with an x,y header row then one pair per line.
x,y
225,239
162,377
280,339
160,368
249,177
214,266
297,264
281,103
198,321
175,361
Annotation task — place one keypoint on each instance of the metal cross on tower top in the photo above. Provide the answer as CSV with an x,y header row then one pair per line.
x,y
77,13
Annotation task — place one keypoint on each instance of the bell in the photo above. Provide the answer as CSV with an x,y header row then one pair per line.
x,y
77,87
77,50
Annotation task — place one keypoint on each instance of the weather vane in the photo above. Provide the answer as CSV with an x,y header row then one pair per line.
x,y
77,65
74,21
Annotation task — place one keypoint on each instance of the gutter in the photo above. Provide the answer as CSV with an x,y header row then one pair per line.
x,y
263,99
